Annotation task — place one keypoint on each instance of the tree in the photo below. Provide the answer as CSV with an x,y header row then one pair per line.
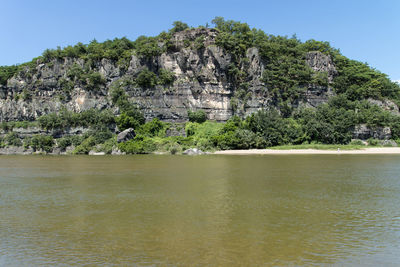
x,y
197,116
178,26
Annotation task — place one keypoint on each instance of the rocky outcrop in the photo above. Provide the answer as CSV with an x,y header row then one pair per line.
x,y
386,105
13,150
126,135
56,133
364,132
202,81
320,62
176,129
193,151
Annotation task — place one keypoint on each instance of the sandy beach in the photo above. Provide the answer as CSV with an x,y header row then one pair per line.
x,y
372,150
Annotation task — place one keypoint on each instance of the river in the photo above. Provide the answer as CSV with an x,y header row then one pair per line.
x,y
212,210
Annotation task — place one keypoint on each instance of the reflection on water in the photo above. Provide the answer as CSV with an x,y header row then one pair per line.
x,y
205,210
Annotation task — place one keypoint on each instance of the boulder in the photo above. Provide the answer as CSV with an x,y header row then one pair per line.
x,y
94,153
193,151
117,152
126,135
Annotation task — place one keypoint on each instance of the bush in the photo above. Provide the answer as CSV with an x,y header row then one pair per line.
x,y
129,120
85,146
146,79
64,142
166,77
153,128
108,145
147,47
94,80
197,116
100,134
373,142
139,145
357,142
178,27
87,118
67,141
12,139
41,142
6,72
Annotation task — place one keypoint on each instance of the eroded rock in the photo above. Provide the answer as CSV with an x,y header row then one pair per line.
x,y
126,135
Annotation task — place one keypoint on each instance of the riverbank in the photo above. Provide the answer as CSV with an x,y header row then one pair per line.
x,y
368,150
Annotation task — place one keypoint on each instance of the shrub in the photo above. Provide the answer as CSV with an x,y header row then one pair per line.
x,y
146,79
197,116
166,77
178,26
94,80
26,95
152,128
42,142
12,139
108,145
357,142
85,146
67,141
139,145
6,72
125,121
373,142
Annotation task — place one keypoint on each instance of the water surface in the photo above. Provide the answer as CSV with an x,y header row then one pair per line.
x,y
214,210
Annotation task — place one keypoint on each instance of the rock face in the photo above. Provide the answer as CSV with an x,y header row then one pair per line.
x,y
202,81
126,135
321,63
56,133
386,105
363,132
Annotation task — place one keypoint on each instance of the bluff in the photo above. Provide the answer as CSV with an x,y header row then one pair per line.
x,y
201,80
266,90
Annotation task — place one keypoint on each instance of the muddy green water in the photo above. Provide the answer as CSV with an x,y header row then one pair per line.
x,y
212,210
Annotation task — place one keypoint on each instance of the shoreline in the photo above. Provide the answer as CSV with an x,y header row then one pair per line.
x,y
366,151
303,151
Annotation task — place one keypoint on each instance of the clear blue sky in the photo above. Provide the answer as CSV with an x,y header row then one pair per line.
x,y
365,30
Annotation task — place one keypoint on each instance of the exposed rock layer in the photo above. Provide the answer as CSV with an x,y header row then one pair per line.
x,y
201,82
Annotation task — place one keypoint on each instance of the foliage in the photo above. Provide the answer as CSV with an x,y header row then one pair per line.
x,y
153,128
85,146
166,77
41,142
359,81
126,121
147,47
130,116
6,72
286,77
146,79
83,76
67,141
178,26
139,145
9,126
235,37
198,116
66,119
12,139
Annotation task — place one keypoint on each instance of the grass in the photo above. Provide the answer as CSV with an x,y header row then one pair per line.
x,y
321,147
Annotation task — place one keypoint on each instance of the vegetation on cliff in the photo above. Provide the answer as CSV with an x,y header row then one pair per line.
x,y
359,94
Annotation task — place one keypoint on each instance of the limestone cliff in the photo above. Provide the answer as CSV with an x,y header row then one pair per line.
x,y
202,81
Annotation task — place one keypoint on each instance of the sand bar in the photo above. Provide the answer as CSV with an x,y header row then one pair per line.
x,y
372,150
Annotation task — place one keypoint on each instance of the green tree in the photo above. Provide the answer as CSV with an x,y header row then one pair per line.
x,y
178,26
